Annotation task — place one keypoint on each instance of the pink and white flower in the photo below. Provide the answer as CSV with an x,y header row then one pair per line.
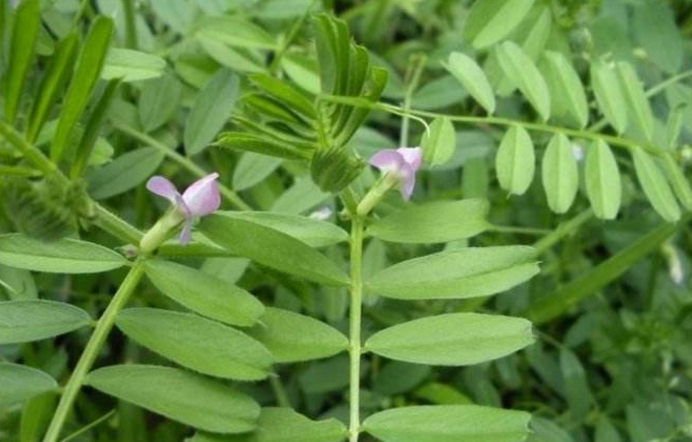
x,y
403,163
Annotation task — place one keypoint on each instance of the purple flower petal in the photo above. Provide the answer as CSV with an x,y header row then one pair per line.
x,y
202,197
412,156
163,187
408,181
186,232
387,160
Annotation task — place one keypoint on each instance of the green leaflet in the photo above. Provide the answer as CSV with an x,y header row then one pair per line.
x,y
655,185
602,177
609,95
489,21
472,77
568,87
312,232
462,423
158,101
452,339
292,337
253,168
568,295
129,65
434,222
438,146
235,31
678,181
560,174
523,73
285,425
272,248
179,395
241,141
204,294
515,161
211,111
637,103
655,29
21,383
579,396
27,21
58,70
62,256
33,320
86,73
456,274
197,343
19,284
124,173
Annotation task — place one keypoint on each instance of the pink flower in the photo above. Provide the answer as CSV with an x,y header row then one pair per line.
x,y
199,199
402,163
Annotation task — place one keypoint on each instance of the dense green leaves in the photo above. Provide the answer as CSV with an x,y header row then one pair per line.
x,y
560,174
33,320
63,256
179,395
86,73
197,343
515,161
489,21
455,274
211,111
284,425
292,337
523,73
452,339
655,185
602,176
472,77
448,423
20,383
272,248
439,221
204,294
438,145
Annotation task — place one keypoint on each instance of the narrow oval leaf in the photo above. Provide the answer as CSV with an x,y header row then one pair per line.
x,y
312,232
609,95
457,274
515,161
678,181
211,111
237,32
130,65
569,86
489,21
655,185
179,395
471,76
448,423
284,425
523,73
560,174
438,145
272,248
253,168
292,337
63,256
34,319
158,100
602,176
86,73
637,103
200,344
204,294
439,221
20,383
452,339
124,173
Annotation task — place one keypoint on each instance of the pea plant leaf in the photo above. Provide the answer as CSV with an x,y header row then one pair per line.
x,y
21,383
472,77
33,320
490,21
438,145
560,174
655,185
515,161
602,176
523,73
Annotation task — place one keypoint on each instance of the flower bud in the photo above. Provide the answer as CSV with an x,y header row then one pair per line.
x,y
335,168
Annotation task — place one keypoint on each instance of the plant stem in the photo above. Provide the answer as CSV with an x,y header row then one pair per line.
x,y
188,164
355,325
92,350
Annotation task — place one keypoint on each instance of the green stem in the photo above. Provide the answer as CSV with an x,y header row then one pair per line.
x,y
116,226
92,350
279,391
419,61
355,325
130,25
188,164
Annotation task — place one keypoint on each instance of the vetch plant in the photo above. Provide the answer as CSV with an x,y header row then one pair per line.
x,y
321,298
